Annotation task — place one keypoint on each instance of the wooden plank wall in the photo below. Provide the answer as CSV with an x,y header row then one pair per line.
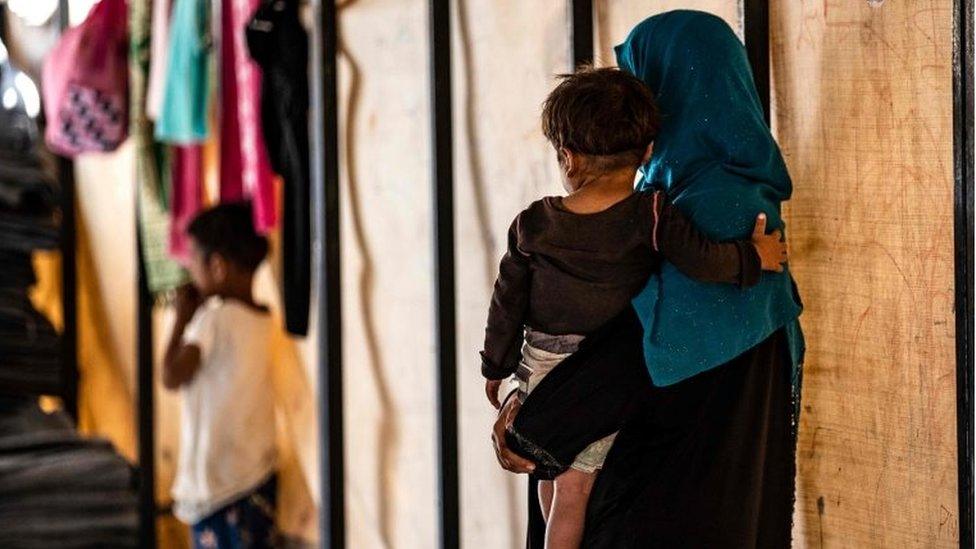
x,y
613,21
862,106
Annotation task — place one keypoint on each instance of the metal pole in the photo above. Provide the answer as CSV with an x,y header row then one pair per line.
x,y
69,270
962,73
442,143
755,23
69,303
146,411
581,32
325,215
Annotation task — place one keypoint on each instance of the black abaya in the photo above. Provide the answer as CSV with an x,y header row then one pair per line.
x,y
707,462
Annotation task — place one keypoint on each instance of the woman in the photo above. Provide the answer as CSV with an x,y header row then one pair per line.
x,y
704,457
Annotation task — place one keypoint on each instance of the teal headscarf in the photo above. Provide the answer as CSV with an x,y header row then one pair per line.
x,y
717,160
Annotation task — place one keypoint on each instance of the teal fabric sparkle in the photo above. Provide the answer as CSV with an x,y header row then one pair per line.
x,y
719,163
183,113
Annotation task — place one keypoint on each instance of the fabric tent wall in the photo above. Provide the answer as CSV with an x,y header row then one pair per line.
x,y
863,106
506,54
386,263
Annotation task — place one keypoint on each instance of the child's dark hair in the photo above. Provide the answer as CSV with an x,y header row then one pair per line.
x,y
604,113
228,229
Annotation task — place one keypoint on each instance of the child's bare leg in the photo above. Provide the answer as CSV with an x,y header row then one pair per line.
x,y
564,527
545,498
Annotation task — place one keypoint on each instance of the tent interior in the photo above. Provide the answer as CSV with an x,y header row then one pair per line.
x,y
863,108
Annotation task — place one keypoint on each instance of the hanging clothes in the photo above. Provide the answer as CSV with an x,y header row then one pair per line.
x,y
185,161
152,172
16,270
30,348
187,197
29,345
84,84
183,114
29,195
158,56
244,167
278,42
28,202
18,131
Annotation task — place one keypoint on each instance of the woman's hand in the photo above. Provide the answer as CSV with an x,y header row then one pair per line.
x,y
770,247
509,460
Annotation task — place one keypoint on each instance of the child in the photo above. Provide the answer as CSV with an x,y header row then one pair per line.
x,y
575,262
219,357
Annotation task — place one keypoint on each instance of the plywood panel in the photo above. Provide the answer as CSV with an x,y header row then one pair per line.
x,y
615,19
862,109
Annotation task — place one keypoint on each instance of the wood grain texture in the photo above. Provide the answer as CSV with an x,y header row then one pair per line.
x,y
862,109
614,20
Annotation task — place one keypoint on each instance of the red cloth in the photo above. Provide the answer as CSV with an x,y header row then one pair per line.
x,y
245,171
186,199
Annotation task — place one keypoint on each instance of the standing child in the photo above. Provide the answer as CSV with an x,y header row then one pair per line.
x,y
575,262
219,358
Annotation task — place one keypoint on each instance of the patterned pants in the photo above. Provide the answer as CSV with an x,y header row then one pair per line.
x,y
247,523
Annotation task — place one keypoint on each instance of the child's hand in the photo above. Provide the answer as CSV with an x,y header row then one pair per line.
x,y
491,389
771,248
187,301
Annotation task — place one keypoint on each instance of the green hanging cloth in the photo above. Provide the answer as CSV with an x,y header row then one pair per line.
x,y
152,163
719,163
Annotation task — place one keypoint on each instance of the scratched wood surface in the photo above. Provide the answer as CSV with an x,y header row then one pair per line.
x,y
863,103
613,20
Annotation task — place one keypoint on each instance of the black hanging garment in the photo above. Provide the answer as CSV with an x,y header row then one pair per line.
x,y
30,349
28,193
57,489
279,43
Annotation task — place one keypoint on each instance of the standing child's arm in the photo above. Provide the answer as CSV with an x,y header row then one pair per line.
x,y
181,360
697,256
506,317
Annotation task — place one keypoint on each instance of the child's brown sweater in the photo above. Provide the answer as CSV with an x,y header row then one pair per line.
x,y
568,273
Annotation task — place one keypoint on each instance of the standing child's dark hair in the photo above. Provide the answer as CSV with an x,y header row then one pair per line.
x,y
228,230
